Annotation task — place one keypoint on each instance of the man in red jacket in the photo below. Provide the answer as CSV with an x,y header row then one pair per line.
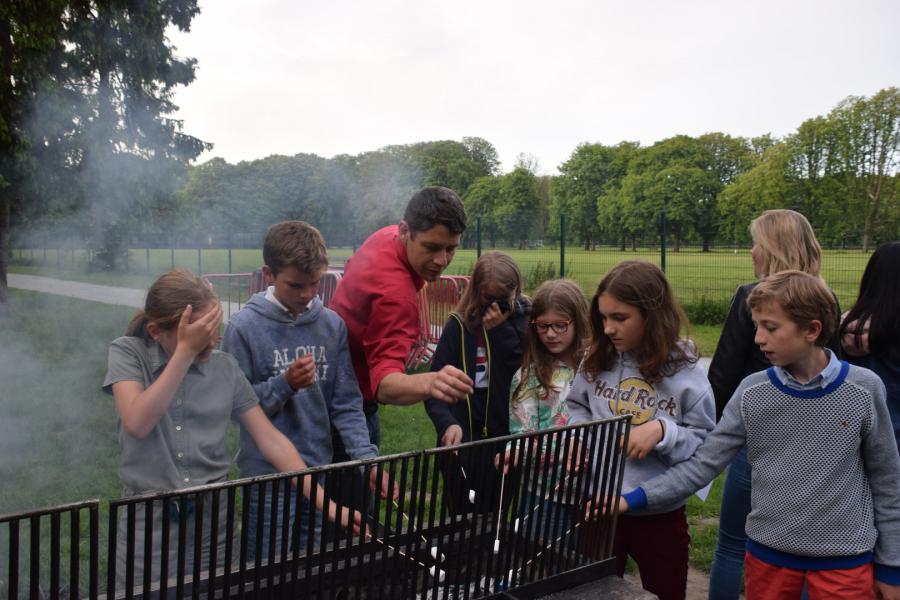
x,y
377,299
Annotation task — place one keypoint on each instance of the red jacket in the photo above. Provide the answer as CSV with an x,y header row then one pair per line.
x,y
376,298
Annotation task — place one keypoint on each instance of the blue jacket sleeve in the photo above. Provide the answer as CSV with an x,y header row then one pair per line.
x,y
345,405
273,392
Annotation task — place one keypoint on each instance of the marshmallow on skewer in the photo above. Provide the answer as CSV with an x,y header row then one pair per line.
x,y
496,546
436,555
472,496
436,573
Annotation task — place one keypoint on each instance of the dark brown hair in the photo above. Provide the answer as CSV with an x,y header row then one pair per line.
x,y
644,286
566,298
297,244
435,205
167,299
804,297
491,267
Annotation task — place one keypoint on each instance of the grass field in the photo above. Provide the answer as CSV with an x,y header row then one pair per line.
x,y
696,276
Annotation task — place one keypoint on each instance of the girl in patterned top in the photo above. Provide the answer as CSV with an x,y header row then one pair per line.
x,y
558,336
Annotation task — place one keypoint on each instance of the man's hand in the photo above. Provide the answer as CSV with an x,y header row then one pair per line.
x,y
449,385
348,519
301,373
452,436
386,490
886,591
643,439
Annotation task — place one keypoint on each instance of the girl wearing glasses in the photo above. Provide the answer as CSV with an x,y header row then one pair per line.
x,y
560,333
639,365
483,338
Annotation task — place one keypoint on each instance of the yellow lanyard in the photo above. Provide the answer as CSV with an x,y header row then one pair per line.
x,y
487,403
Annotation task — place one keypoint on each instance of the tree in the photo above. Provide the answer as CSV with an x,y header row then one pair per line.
x,y
591,171
868,140
481,201
519,206
30,41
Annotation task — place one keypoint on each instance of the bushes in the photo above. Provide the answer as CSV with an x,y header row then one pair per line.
x,y
706,311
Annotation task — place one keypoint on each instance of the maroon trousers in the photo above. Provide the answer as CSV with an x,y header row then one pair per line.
x,y
659,545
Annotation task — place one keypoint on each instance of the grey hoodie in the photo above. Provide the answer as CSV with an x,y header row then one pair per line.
x,y
685,400
265,339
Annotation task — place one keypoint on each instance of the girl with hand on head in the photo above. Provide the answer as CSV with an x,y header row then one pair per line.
x,y
639,365
870,331
175,395
482,338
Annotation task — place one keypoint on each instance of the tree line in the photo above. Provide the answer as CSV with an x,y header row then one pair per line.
x,y
89,149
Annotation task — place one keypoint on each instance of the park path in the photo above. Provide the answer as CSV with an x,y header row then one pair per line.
x,y
107,294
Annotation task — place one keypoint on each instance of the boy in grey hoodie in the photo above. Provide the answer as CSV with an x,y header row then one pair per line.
x,y
294,352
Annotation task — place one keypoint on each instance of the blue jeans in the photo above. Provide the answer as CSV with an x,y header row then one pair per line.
x,y
302,524
728,562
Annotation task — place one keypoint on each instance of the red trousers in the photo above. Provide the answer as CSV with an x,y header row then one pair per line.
x,y
765,581
659,545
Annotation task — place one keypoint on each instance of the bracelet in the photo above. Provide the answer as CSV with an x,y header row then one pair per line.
x,y
662,427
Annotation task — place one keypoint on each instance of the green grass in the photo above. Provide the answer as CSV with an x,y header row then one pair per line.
x,y
695,275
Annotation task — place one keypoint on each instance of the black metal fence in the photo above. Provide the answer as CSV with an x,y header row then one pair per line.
x,y
704,271
506,516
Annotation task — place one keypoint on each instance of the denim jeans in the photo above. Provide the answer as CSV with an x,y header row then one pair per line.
x,y
302,523
728,561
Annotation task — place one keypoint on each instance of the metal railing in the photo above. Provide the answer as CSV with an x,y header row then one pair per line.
x,y
498,516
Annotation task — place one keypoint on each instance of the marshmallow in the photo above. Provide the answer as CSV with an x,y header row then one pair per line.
x,y
436,573
472,496
496,546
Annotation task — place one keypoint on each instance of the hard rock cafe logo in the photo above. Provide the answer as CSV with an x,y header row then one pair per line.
x,y
633,396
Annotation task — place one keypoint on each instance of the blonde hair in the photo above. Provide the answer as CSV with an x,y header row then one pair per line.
x,y
804,297
167,299
566,298
787,242
491,267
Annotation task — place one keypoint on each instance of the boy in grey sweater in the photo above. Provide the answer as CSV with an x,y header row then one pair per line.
x,y
825,500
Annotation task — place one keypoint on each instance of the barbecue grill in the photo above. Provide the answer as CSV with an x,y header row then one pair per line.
x,y
499,518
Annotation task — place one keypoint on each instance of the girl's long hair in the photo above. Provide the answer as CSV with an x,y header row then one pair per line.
x,y
167,299
491,267
787,242
644,286
566,298
879,303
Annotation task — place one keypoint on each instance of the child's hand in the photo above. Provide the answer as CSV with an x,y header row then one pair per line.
x,y
493,316
886,591
643,439
596,508
509,460
453,436
301,373
201,334
387,491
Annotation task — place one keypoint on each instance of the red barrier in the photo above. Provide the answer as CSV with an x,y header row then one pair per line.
x,y
435,303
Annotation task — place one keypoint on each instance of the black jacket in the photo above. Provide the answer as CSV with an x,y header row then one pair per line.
x,y
737,355
505,342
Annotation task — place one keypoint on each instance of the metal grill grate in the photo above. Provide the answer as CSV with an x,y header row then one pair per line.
x,y
461,526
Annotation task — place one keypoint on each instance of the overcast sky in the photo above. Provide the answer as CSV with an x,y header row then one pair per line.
x,y
534,77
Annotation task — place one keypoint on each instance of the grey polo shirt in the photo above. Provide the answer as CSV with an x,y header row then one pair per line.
x,y
187,446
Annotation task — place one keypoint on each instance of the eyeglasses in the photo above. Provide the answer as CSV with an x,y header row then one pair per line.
x,y
558,327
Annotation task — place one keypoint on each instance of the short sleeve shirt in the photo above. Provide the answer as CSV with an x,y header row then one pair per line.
x,y
187,446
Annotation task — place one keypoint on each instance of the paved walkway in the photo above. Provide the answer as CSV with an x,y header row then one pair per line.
x,y
106,294
77,289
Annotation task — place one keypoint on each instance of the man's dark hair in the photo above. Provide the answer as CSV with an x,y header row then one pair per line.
x,y
432,206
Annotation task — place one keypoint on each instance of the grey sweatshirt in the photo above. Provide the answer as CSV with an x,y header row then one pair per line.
x,y
826,472
685,400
